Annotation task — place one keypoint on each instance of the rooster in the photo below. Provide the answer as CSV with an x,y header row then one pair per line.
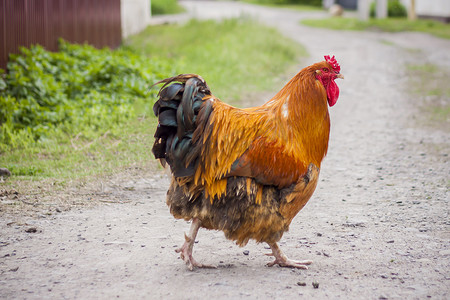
x,y
246,172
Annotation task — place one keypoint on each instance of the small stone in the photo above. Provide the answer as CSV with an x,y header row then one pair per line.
x,y
31,230
315,285
300,283
336,10
246,252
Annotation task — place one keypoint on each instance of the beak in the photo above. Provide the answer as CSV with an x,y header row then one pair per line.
x,y
340,76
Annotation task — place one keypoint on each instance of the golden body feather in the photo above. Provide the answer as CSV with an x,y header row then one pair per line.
x,y
273,143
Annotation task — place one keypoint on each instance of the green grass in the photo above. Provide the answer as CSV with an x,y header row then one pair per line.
x,y
303,7
163,7
76,158
389,25
236,57
233,56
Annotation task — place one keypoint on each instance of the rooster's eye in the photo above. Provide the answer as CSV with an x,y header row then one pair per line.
x,y
326,70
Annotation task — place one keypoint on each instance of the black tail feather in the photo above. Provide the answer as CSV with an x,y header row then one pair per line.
x,y
181,101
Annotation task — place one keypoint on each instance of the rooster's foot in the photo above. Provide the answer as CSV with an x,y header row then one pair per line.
x,y
290,263
186,250
186,255
283,261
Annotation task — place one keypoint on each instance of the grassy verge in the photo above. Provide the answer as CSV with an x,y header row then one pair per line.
x,y
235,57
430,83
277,4
163,7
390,25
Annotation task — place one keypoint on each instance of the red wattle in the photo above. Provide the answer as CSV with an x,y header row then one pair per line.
x,y
332,93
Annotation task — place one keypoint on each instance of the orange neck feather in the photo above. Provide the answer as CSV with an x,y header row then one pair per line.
x,y
295,121
307,120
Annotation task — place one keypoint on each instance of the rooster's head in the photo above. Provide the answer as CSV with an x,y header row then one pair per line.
x,y
326,72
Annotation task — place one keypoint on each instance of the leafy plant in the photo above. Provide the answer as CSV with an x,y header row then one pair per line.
x,y
395,9
79,90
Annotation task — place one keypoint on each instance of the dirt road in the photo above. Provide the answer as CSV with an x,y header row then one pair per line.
x,y
377,227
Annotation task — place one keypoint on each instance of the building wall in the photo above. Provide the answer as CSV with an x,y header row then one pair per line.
x,y
135,16
28,22
437,8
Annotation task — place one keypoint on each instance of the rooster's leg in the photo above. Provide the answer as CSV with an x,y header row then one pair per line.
x,y
186,250
283,261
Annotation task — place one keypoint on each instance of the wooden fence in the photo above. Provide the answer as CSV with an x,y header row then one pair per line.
x,y
29,22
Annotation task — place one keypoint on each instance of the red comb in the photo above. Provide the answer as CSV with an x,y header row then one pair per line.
x,y
332,61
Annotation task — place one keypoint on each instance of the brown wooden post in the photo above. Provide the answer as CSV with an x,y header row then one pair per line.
x,y
412,11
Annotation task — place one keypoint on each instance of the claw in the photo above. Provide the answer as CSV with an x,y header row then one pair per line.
x,y
186,255
291,263
186,250
283,261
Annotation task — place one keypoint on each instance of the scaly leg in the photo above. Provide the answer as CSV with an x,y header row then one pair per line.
x,y
283,261
186,250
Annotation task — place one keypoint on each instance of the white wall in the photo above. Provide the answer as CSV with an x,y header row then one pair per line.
x,y
135,16
440,8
